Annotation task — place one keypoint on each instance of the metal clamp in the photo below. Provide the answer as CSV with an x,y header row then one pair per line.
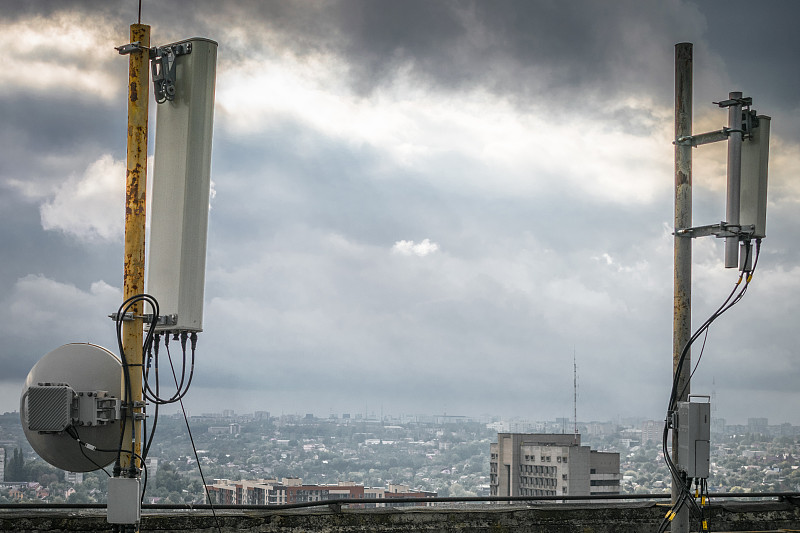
x,y
746,101
721,230
710,137
163,67
94,408
126,49
161,320
703,138
749,121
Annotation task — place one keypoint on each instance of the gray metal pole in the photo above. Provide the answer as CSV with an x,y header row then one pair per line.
x,y
682,295
734,178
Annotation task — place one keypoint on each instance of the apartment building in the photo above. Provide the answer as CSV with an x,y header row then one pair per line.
x,y
538,464
293,490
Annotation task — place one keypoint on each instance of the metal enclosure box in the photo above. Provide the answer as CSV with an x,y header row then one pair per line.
x,y
49,407
124,505
181,186
694,436
753,195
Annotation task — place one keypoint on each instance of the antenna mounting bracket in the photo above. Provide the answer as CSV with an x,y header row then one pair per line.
x,y
162,64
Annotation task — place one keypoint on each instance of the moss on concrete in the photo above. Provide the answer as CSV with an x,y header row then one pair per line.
x,y
566,518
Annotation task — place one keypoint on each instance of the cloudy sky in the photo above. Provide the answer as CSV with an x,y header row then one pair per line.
x,y
419,207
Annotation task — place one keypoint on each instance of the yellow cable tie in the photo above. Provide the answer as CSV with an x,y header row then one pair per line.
x,y
696,493
705,525
702,500
671,515
749,277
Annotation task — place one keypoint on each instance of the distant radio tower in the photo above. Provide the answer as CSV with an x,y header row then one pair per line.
x,y
714,395
575,394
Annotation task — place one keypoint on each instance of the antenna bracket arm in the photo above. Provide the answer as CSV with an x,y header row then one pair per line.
x,y
720,231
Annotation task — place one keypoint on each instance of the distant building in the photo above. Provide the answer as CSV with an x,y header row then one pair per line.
x,y
783,430
292,490
758,426
652,431
531,464
563,423
152,467
600,428
230,429
73,477
404,491
736,429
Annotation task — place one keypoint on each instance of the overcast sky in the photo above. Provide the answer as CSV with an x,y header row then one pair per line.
x,y
419,206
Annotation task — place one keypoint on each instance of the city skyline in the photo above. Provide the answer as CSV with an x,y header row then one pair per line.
x,y
428,205
553,424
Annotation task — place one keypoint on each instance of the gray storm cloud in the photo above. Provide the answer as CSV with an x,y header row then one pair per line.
x,y
425,204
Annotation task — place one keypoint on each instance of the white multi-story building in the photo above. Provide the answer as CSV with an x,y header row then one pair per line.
x,y
652,431
531,464
73,477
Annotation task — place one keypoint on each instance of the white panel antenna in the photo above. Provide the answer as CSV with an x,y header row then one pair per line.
x,y
181,182
753,196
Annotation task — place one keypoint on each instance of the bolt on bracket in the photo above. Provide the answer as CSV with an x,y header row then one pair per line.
x,y
749,121
162,63
162,320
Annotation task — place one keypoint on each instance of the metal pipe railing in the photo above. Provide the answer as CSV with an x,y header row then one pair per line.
x,y
389,501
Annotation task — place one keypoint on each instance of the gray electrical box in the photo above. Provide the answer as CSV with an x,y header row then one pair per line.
x,y
753,187
694,436
49,407
53,407
124,505
181,187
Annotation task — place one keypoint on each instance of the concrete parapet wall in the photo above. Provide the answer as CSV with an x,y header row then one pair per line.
x,y
597,518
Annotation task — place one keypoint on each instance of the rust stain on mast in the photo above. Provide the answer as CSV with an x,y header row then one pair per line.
x,y
135,209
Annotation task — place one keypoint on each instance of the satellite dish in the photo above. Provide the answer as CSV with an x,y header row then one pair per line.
x,y
75,390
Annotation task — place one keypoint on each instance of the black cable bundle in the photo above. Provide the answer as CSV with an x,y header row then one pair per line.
x,y
678,478
150,357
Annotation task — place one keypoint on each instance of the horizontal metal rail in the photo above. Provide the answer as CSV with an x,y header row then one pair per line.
x,y
390,501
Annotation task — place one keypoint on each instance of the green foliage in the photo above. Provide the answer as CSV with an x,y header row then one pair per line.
x,y
15,466
169,479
